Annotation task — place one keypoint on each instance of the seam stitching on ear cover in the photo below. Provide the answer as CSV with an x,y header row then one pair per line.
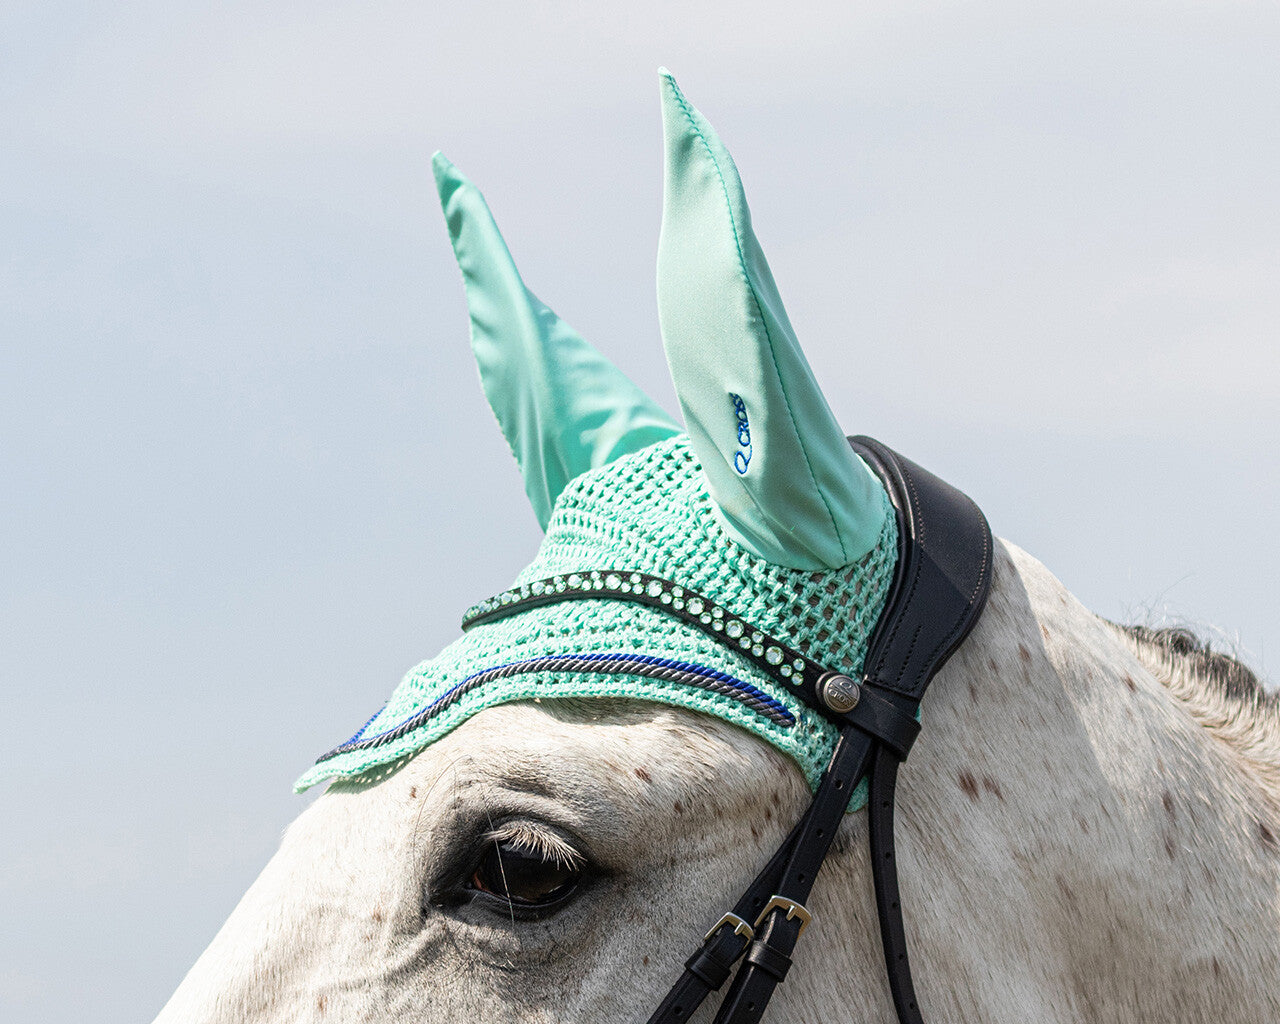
x,y
742,267
463,186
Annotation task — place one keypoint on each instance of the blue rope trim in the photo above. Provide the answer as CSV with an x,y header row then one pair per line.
x,y
360,731
646,666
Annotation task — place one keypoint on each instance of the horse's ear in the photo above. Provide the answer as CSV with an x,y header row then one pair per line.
x,y
776,462
562,406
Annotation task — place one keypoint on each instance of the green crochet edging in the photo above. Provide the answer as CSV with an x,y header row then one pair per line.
x,y
647,512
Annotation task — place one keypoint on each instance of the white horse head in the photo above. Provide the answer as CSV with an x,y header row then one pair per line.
x,y
547,817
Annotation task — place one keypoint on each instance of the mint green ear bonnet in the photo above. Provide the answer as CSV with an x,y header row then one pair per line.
x,y
759,522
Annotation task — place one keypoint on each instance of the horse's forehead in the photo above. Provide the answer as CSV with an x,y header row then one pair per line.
x,y
594,752
605,775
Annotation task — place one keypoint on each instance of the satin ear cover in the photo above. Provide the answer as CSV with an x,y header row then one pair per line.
x,y
783,477
563,407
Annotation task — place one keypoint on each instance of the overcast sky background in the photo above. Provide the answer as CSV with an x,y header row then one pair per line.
x,y
247,476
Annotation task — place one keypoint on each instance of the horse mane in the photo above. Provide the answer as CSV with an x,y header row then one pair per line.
x,y
1219,691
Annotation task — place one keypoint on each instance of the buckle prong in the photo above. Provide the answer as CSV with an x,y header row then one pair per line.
x,y
792,908
740,927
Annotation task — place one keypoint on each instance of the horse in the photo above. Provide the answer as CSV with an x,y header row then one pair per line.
x,y
544,818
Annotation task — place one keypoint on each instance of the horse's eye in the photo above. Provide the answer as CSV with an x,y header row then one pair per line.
x,y
522,877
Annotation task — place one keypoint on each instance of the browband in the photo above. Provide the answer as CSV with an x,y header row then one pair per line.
x,y
834,695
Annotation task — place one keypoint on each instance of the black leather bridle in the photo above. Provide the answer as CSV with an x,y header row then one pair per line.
x,y
940,585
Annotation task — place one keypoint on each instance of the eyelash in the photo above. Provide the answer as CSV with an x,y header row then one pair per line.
x,y
455,889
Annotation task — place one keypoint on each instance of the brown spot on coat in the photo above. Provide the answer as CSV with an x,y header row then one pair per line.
x,y
1024,654
970,786
1169,846
992,787
1067,893
321,1003
413,792
1217,968
1128,681
1266,836
377,915
1166,798
678,807
643,775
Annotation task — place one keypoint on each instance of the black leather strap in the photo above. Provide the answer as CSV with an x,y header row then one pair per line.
x,y
879,715
940,588
754,984
712,962
768,959
884,879
942,579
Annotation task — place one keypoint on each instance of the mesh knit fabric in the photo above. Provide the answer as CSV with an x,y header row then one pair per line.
x,y
646,512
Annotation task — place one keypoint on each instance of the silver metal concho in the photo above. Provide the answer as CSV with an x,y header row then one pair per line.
x,y
839,692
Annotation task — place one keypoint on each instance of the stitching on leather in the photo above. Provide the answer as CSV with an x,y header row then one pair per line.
x,y
918,518
977,586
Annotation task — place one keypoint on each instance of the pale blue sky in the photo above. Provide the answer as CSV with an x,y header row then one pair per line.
x,y
247,476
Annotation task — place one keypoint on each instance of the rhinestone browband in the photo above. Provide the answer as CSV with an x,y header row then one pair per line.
x,y
779,660
773,657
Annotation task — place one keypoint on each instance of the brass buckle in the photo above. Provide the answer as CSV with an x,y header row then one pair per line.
x,y
740,927
792,908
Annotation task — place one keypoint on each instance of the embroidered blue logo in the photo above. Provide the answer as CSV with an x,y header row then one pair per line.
x,y
742,457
